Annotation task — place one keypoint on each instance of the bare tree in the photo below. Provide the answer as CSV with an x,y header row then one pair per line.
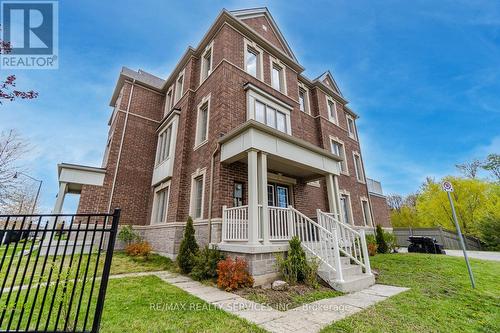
x,y
469,169
411,200
20,201
395,202
492,164
12,148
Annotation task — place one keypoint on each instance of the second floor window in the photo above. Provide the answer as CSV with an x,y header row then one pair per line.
x,y
179,87
358,166
251,61
163,150
202,124
271,117
339,150
302,100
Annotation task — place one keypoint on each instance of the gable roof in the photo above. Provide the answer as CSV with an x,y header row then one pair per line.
x,y
263,11
329,81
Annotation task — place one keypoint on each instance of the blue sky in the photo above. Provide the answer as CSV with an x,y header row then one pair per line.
x,y
424,78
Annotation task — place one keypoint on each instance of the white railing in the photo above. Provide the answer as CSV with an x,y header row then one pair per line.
x,y
279,228
351,243
317,240
235,223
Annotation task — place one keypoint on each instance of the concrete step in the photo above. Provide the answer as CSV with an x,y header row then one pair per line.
x,y
347,271
352,284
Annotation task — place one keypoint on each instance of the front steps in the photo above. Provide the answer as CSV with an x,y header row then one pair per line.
x,y
354,279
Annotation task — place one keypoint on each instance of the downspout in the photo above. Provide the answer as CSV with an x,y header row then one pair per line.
x,y
210,193
121,145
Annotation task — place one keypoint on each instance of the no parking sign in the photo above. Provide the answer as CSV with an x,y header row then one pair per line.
x,y
447,186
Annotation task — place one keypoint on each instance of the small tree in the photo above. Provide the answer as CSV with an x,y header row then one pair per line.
x,y
188,249
381,243
492,164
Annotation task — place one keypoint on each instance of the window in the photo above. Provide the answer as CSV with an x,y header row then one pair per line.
x,y
332,111
206,63
338,148
345,206
197,199
251,61
202,122
351,127
267,112
163,148
302,100
179,87
358,166
277,78
367,218
160,205
238,194
169,100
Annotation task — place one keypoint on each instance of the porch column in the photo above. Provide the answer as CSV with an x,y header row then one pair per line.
x,y
337,197
253,196
330,188
63,188
262,175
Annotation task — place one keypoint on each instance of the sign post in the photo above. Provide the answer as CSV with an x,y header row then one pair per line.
x,y
448,188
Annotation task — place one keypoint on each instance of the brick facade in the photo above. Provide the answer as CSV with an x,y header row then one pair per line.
x,y
133,190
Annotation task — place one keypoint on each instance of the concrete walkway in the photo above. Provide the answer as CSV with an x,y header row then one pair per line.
x,y
310,317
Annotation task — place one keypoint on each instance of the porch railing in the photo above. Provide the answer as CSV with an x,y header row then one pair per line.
x,y
235,223
279,228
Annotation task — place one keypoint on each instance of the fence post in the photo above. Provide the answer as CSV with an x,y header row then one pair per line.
x,y
106,270
364,248
291,225
224,223
338,264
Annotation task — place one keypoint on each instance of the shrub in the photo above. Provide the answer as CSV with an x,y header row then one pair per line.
x,y
128,235
390,240
140,249
233,274
296,268
188,249
205,263
489,229
381,244
372,249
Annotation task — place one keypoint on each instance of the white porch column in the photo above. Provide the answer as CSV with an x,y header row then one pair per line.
x,y
330,188
253,196
63,188
262,176
337,197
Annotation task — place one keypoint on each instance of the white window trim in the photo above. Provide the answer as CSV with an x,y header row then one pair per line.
x,y
197,143
260,64
273,61
336,139
154,218
348,194
368,222
353,135
210,49
176,97
358,174
253,95
197,173
336,120
170,125
307,108
169,107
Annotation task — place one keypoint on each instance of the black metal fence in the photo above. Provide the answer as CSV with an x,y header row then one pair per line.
x,y
54,271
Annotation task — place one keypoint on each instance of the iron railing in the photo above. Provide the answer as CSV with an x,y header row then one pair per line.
x,y
54,271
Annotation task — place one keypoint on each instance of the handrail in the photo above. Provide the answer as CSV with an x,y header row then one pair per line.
x,y
345,225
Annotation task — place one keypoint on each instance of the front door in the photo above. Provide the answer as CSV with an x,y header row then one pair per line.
x,y
278,195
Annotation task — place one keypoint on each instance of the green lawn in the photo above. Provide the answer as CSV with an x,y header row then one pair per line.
x,y
440,300
148,304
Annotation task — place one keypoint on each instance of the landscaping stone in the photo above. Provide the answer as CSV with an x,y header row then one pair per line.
x,y
279,285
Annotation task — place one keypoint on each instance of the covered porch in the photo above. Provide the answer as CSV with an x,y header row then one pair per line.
x,y
274,159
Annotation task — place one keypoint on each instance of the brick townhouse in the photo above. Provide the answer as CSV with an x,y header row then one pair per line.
x,y
240,140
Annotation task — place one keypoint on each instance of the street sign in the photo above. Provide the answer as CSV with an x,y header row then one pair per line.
x,y
447,186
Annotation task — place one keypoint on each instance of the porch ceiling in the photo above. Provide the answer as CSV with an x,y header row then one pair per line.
x,y
286,154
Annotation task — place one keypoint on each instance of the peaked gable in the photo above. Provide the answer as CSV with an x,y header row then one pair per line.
x,y
260,20
329,81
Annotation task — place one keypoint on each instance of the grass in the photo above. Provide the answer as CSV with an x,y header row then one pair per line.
x,y
147,304
440,300
295,296
121,264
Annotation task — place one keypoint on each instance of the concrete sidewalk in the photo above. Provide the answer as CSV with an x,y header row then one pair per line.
x,y
310,317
